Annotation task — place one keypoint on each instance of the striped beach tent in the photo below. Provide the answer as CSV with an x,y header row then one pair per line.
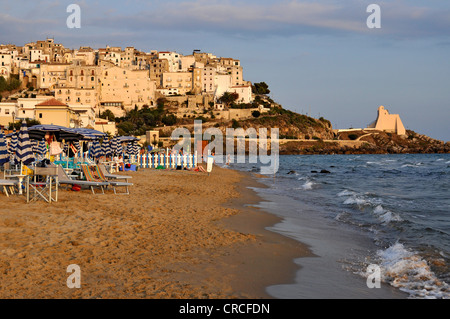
x,y
3,151
24,151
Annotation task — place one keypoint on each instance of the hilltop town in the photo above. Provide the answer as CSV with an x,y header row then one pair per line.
x,y
87,86
147,94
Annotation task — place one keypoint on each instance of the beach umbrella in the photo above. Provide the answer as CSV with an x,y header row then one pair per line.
x,y
89,134
122,139
42,147
96,149
3,149
114,145
24,151
119,149
136,148
106,148
38,132
39,147
13,142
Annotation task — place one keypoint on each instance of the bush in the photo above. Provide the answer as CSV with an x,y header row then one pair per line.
x,y
256,114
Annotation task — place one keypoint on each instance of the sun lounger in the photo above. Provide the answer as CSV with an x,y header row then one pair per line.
x,y
63,179
110,176
94,174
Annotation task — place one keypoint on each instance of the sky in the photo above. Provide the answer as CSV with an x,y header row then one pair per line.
x,y
318,57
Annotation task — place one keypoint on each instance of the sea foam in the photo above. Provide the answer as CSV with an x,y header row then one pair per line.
x,y
409,272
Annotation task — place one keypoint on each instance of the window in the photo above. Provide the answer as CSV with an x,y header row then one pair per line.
x,y
6,111
92,78
40,115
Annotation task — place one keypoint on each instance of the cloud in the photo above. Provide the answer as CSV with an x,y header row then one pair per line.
x,y
399,18
245,20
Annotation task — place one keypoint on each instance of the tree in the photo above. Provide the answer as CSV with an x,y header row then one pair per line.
x,y
256,114
109,115
260,88
228,98
3,84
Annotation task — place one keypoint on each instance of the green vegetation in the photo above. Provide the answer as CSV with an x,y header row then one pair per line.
x,y
11,84
137,122
256,114
18,124
260,88
229,98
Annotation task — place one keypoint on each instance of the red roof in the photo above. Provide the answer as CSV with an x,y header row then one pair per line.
x,y
51,102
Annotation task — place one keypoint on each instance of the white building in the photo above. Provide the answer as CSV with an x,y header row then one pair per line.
x,y
5,64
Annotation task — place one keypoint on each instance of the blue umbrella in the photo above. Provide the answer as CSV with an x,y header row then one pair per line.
x,y
24,152
96,149
136,148
37,132
42,147
114,144
13,142
106,148
90,134
3,150
119,149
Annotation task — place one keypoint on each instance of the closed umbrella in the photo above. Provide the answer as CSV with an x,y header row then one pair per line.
x,y
96,149
106,148
3,149
119,149
114,145
42,147
24,151
13,142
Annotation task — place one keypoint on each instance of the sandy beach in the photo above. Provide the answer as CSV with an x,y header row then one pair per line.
x,y
179,234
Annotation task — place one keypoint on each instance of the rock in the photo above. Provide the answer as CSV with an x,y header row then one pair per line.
x,y
324,171
313,171
291,172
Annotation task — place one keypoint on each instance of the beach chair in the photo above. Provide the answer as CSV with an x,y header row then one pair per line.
x,y
8,184
63,179
110,176
47,189
94,174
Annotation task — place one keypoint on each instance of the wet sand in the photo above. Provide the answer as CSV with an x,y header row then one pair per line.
x,y
179,234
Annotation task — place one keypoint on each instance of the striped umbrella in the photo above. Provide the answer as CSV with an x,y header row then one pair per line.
x,y
13,142
96,149
119,149
106,148
114,145
3,149
42,147
136,148
24,152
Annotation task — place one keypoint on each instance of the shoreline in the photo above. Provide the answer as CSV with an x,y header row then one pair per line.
x,y
272,254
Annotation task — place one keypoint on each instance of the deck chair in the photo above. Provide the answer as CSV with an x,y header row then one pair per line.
x,y
110,176
93,173
63,179
47,189
8,184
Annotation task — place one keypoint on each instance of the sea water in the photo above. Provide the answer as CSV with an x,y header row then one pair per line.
x,y
353,211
